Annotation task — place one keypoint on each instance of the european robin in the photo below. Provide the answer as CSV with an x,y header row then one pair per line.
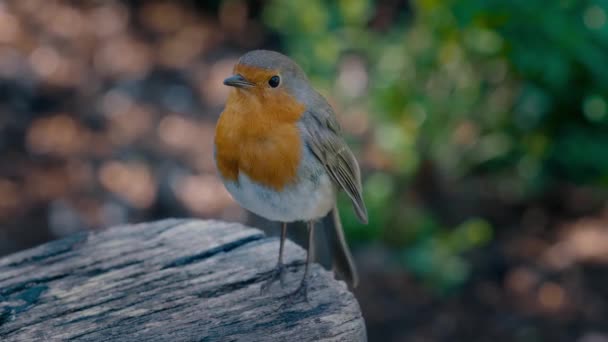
x,y
279,152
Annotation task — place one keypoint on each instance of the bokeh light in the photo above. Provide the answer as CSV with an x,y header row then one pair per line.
x,y
481,128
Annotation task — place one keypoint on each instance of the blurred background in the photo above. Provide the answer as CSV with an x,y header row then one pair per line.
x,y
481,128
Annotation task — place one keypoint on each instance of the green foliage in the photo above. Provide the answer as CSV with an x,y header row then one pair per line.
x,y
514,91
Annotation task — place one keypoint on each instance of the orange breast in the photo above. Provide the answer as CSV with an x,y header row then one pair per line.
x,y
257,135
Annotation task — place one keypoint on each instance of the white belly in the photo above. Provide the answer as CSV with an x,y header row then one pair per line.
x,y
310,198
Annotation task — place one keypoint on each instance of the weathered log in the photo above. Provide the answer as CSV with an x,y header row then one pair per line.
x,y
172,280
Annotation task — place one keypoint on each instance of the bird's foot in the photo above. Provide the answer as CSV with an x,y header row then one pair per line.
x,y
298,296
278,273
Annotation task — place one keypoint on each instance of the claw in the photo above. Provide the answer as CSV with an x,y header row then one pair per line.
x,y
277,273
298,296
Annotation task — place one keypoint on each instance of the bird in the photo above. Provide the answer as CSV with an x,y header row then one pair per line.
x,y
280,153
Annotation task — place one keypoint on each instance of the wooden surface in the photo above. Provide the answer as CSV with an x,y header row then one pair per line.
x,y
172,280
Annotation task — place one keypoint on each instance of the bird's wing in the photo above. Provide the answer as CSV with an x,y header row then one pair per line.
x,y
322,136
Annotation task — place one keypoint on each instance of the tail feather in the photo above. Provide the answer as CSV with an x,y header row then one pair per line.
x,y
342,259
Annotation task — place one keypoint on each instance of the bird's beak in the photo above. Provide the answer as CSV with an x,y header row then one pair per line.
x,y
238,81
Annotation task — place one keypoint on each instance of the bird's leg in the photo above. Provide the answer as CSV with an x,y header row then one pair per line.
x,y
302,291
279,271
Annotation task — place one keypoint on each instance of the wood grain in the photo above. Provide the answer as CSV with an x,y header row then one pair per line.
x,y
171,280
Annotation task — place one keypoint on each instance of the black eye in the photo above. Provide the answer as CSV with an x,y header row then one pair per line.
x,y
274,81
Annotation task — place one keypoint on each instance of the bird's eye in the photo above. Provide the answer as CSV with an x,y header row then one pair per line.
x,y
274,81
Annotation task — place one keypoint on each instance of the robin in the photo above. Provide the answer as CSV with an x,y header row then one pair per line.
x,y
279,153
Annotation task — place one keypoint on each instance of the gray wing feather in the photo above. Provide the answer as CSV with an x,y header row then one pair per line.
x,y
322,136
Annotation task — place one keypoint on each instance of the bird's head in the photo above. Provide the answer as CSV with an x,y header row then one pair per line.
x,y
268,77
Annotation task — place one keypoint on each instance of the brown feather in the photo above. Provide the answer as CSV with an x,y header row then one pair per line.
x,y
322,136
257,133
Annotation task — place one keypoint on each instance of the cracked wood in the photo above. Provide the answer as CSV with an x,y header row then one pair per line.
x,y
172,280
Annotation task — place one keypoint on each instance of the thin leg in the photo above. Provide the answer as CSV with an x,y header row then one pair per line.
x,y
310,250
283,236
302,291
279,270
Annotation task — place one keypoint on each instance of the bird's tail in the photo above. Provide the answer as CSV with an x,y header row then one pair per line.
x,y
342,260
